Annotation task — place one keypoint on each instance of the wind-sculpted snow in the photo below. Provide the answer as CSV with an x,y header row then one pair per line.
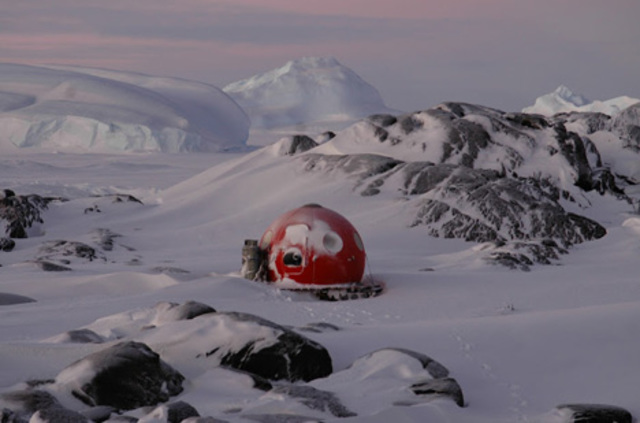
x,y
98,110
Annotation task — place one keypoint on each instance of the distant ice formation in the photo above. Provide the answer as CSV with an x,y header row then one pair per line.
x,y
564,100
82,109
307,90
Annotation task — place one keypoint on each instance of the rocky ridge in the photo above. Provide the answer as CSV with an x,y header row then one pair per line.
x,y
511,180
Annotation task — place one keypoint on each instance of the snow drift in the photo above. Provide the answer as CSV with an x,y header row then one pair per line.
x,y
303,91
90,109
564,100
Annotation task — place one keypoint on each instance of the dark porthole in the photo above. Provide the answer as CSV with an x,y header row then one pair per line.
x,y
292,259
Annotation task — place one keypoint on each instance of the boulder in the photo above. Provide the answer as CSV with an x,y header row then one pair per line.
x,y
125,376
287,355
174,412
593,413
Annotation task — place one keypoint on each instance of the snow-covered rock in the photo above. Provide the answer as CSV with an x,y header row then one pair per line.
x,y
303,91
591,413
127,375
239,341
627,126
392,376
72,108
564,100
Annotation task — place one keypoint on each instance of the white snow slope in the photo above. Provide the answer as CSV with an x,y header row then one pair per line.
x,y
518,343
307,90
98,110
564,100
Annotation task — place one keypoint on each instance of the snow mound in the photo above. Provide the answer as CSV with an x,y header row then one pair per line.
x,y
563,100
306,90
70,108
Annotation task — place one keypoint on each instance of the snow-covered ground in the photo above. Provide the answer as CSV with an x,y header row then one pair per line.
x,y
518,343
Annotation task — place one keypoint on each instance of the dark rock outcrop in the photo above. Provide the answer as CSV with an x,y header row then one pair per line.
x,y
125,376
289,356
316,399
37,405
7,244
20,212
626,125
300,144
595,413
72,249
171,312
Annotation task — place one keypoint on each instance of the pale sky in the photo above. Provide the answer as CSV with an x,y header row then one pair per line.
x,y
417,53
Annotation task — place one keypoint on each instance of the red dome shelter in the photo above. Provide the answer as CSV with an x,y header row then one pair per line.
x,y
312,245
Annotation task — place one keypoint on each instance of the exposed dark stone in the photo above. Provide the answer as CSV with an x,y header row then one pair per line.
x,y
21,211
327,135
48,266
10,416
125,376
592,122
410,123
185,311
466,140
179,411
422,177
573,149
372,188
604,181
382,120
7,244
104,238
170,270
316,399
531,121
381,134
596,413
361,165
122,419
447,387
300,144
280,418
84,336
122,198
31,400
58,415
626,125
320,327
63,248
40,404
292,357
100,413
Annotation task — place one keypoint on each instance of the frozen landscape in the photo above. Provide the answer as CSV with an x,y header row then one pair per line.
x,y
508,243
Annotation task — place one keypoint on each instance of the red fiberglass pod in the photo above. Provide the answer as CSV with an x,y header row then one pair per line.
x,y
313,245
